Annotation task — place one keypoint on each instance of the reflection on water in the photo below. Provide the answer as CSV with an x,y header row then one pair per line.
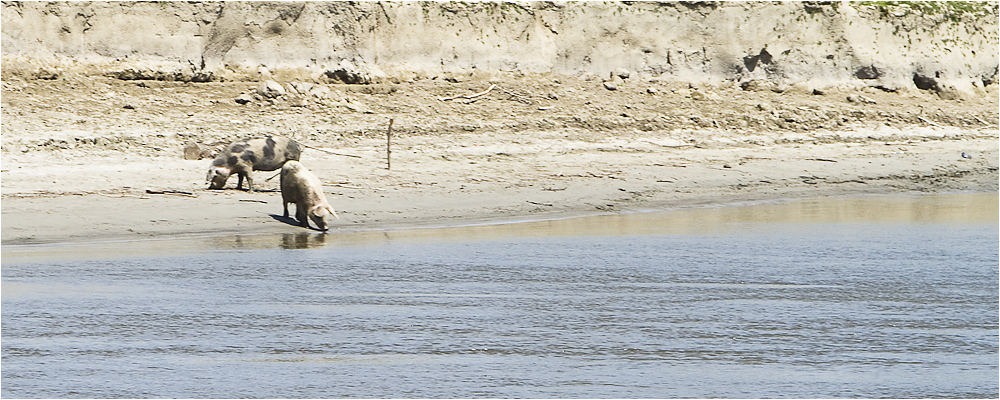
x,y
302,240
860,297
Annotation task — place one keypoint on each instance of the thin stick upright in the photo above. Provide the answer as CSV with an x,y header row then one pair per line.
x,y
388,148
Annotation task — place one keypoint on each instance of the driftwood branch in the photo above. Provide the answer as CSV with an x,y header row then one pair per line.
x,y
518,97
328,151
669,165
470,96
175,192
121,196
526,99
272,176
924,120
340,185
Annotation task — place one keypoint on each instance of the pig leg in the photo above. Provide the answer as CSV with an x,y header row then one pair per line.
x,y
286,208
301,215
239,184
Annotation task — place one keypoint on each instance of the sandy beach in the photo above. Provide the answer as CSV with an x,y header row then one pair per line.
x,y
98,159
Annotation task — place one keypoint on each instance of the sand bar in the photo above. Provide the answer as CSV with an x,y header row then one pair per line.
x,y
91,170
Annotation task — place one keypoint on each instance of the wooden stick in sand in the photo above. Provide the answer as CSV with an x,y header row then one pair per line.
x,y
388,149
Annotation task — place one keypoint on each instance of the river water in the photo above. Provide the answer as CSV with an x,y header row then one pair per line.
x,y
848,297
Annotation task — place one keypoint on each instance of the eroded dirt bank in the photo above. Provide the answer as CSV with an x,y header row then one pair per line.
x,y
948,47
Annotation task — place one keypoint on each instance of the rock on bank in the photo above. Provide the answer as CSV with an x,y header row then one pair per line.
x,y
949,47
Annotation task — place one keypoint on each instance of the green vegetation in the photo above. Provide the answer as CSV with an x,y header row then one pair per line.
x,y
953,10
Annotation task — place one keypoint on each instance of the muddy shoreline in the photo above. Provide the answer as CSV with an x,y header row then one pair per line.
x,y
379,199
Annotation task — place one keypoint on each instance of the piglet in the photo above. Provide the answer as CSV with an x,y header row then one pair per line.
x,y
266,153
302,187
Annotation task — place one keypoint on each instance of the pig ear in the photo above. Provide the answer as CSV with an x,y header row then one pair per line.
x,y
333,212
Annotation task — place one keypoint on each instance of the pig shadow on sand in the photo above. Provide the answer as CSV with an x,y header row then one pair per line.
x,y
291,221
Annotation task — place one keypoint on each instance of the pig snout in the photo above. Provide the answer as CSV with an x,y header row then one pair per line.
x,y
319,215
217,177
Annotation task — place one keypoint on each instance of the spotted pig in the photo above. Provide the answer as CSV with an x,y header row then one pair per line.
x,y
266,153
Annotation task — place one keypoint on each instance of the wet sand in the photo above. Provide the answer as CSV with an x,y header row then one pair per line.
x,y
706,219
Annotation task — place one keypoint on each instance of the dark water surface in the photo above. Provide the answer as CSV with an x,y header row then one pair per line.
x,y
857,297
